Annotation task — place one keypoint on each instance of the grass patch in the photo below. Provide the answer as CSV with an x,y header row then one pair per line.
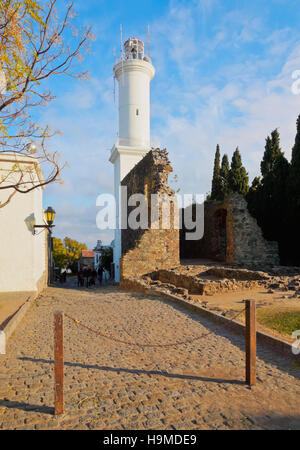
x,y
285,321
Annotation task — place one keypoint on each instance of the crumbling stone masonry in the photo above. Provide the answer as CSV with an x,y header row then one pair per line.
x,y
148,250
231,235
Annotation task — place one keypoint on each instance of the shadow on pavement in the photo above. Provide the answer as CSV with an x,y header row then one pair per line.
x,y
26,407
137,371
276,421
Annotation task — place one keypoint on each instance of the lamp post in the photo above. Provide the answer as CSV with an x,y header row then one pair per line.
x,y
49,214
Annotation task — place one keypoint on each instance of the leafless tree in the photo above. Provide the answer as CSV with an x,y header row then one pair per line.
x,y
36,44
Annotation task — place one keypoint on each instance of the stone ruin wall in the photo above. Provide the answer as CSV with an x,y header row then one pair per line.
x,y
250,247
145,251
231,235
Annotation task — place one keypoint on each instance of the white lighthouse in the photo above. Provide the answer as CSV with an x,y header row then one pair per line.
x,y
134,73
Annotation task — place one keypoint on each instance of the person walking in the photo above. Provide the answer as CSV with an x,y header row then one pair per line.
x,y
100,274
93,277
80,278
88,274
63,275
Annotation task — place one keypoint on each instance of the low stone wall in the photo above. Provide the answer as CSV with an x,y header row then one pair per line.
x,y
237,274
191,284
200,286
147,250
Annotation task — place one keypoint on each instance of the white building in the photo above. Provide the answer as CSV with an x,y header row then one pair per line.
x,y
134,73
23,255
98,250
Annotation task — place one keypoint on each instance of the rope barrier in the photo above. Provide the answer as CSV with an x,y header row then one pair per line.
x,y
8,377
121,341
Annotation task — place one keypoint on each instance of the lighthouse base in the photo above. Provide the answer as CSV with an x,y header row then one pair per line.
x,y
124,158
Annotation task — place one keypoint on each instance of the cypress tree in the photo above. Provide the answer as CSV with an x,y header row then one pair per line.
x,y
216,181
224,173
267,200
296,148
272,150
238,176
225,167
274,168
254,199
274,201
294,199
255,184
294,178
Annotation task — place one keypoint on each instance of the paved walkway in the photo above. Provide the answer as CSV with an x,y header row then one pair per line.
x,y
109,385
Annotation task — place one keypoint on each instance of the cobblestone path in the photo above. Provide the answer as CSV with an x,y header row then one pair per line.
x,y
110,385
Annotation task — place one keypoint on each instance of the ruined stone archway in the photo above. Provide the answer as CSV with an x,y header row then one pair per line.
x,y
231,235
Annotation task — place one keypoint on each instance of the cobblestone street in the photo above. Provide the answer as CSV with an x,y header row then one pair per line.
x,y
110,385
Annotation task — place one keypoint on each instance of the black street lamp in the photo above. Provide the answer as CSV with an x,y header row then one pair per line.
x,y
49,214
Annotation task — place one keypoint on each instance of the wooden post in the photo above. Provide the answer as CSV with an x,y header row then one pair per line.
x,y
250,342
58,363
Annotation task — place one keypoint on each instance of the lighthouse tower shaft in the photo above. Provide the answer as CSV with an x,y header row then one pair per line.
x,y
134,78
134,73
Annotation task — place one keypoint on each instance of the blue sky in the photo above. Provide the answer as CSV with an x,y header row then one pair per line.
x,y
223,75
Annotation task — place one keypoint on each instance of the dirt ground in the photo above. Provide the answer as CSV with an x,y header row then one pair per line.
x,y
278,290
234,301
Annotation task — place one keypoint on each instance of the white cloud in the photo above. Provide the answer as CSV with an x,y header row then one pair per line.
x,y
259,109
197,102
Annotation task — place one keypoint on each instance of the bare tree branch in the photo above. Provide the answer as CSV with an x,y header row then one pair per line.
x,y
35,45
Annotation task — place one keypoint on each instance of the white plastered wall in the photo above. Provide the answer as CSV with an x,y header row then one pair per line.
x,y
22,253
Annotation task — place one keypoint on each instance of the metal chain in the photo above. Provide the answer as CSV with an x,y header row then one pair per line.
x,y
188,341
